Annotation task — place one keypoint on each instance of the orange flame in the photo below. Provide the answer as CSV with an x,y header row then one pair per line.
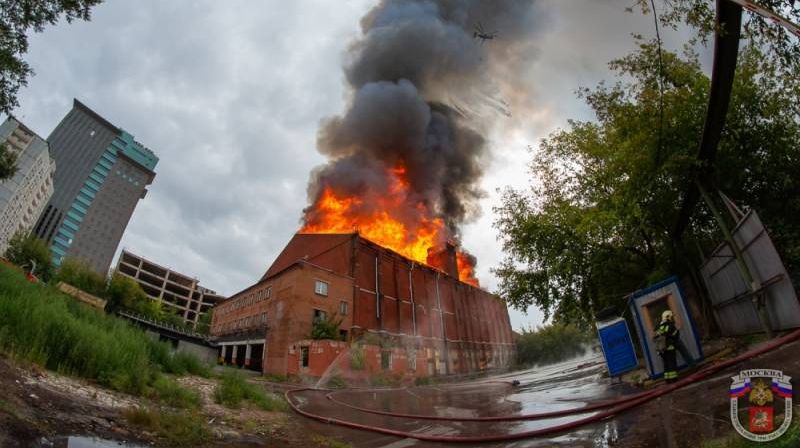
x,y
466,269
391,219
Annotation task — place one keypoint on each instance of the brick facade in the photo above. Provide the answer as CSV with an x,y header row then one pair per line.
x,y
397,311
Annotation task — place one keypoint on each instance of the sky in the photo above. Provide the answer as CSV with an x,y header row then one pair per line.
x,y
230,96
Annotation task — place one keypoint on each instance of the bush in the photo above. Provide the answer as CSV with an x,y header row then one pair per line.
x,y
357,357
172,394
550,344
23,248
82,276
40,324
326,328
233,389
425,381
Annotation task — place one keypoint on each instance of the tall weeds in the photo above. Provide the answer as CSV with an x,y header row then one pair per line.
x,y
41,325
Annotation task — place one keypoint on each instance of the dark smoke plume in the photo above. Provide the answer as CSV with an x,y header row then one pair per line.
x,y
423,95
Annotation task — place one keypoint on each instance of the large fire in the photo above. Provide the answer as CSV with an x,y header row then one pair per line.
x,y
391,219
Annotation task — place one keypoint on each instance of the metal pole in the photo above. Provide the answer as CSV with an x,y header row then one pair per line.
x,y
753,283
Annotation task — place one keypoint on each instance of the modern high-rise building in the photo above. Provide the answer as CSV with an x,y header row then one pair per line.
x,y
23,196
102,173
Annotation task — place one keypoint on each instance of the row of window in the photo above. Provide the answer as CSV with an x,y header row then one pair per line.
x,y
251,298
321,315
245,322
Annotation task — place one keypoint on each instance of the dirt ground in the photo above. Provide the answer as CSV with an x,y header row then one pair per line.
x,y
38,407
700,411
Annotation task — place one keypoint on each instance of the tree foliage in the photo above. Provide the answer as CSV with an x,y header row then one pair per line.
x,y
595,223
550,344
8,162
24,248
778,42
17,19
80,275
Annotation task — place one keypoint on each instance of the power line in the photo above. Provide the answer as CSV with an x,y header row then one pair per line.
x,y
660,86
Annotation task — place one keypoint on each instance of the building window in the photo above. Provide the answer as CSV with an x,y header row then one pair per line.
x,y
343,308
319,315
321,288
412,360
269,292
303,356
386,360
343,335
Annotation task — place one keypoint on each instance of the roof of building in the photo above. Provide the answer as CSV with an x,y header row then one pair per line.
x,y
305,247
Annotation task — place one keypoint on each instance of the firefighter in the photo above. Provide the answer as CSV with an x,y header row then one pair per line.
x,y
666,342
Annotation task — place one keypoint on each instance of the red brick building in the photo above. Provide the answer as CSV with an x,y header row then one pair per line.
x,y
434,323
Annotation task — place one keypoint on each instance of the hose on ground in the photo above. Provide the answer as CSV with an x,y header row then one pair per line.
x,y
614,407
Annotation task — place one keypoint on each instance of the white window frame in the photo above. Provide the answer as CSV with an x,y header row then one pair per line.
x,y
343,308
321,291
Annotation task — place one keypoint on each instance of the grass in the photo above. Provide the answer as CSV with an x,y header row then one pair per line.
x,y
791,439
329,442
233,389
41,325
274,378
336,382
172,394
179,429
381,379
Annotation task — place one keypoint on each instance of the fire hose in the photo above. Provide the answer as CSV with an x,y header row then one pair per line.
x,y
614,407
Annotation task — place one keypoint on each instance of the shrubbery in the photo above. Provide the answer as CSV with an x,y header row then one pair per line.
x,y
24,248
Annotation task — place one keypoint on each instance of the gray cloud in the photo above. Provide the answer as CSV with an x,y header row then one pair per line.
x,y
230,95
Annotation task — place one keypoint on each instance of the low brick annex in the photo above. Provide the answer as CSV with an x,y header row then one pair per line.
x,y
435,324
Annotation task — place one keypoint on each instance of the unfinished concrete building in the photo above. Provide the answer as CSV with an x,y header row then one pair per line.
x,y
409,318
177,292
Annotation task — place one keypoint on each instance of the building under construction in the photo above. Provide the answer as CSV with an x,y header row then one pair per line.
x,y
411,319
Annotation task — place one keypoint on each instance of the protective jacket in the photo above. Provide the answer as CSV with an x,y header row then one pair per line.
x,y
669,332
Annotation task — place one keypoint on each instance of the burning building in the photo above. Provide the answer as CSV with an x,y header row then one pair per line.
x,y
379,243
436,323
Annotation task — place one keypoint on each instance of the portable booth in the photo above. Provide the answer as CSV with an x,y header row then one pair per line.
x,y
647,305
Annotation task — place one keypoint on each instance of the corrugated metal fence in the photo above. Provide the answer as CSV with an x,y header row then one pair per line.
x,y
731,297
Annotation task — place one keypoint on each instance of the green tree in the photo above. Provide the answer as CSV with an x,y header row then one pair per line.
x,y
17,19
780,44
24,248
8,162
204,322
82,276
124,293
326,328
551,343
595,223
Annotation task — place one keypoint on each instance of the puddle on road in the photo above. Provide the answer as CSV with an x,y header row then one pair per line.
x,y
83,442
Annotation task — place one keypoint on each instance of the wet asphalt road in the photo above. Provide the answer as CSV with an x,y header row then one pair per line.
x,y
570,384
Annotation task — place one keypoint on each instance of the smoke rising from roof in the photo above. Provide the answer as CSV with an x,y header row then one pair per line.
x,y
423,97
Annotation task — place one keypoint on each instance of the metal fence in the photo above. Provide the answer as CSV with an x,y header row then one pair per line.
x,y
731,297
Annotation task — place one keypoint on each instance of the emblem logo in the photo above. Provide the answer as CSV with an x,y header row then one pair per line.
x,y
761,390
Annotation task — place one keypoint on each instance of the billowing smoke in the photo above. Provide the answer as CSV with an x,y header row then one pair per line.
x,y
423,97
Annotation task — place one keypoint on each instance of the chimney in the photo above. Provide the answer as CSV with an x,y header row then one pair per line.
x,y
443,257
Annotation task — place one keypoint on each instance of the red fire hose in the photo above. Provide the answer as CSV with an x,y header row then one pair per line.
x,y
615,406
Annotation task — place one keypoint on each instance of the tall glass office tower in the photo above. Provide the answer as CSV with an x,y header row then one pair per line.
x,y
101,174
